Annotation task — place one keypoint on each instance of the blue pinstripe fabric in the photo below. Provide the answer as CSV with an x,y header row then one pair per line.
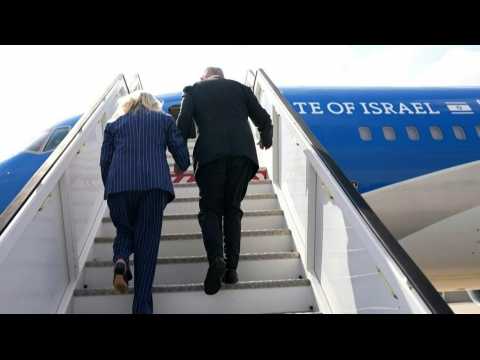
x,y
138,215
138,186
133,155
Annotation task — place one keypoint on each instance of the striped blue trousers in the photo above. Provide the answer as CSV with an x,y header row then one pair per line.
x,y
137,216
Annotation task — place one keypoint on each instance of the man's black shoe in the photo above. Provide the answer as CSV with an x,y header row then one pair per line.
x,y
213,281
231,276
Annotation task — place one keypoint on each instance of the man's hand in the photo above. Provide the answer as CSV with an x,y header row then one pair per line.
x,y
264,147
176,170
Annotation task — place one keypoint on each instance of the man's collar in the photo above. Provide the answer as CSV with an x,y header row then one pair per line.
x,y
213,77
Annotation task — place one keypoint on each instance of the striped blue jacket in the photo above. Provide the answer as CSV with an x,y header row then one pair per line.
x,y
133,155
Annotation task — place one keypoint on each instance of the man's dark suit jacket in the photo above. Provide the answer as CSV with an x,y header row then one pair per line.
x,y
220,109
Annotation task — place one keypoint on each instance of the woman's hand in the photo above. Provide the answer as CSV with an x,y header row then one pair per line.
x,y
176,170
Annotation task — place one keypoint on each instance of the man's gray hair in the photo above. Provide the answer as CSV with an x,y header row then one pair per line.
x,y
211,71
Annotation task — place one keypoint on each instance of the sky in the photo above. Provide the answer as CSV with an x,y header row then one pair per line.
x,y
42,85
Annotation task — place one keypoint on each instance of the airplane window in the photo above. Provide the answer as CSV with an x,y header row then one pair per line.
x,y
436,133
413,133
459,133
56,138
365,133
389,133
477,128
37,145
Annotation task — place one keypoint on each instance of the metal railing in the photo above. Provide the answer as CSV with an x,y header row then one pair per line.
x,y
343,242
40,174
48,230
137,84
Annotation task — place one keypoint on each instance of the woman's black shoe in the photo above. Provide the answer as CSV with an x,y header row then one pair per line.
x,y
213,281
231,276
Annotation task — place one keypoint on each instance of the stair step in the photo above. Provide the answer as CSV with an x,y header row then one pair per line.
x,y
456,297
189,205
290,295
183,190
252,202
174,224
466,307
253,241
460,302
192,269
189,177
303,313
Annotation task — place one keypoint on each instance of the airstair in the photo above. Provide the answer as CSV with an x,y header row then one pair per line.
x,y
310,243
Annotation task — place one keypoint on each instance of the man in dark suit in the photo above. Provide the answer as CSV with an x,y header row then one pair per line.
x,y
224,160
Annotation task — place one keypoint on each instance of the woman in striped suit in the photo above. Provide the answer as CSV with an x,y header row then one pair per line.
x,y
138,186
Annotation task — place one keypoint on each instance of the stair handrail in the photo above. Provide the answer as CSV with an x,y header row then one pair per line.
x,y
136,84
420,283
16,204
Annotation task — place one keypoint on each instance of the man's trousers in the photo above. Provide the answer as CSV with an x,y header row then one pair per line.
x,y
223,184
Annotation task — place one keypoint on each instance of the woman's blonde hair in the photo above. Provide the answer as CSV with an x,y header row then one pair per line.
x,y
134,100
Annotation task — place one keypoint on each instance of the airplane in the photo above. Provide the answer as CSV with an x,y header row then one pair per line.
x,y
17,170
412,153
